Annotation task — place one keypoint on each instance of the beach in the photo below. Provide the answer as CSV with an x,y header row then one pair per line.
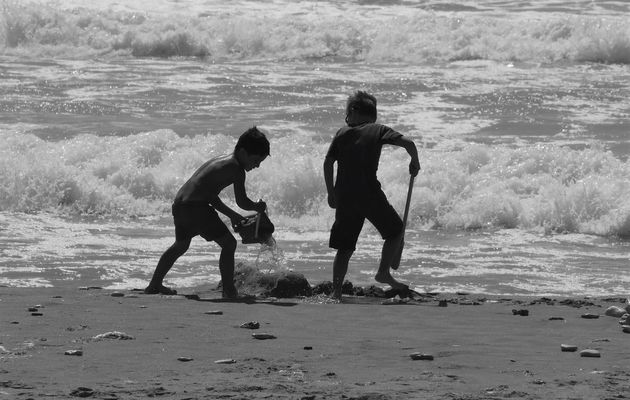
x,y
518,226
192,346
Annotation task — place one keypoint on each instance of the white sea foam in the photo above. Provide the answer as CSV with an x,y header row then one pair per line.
x,y
283,30
477,186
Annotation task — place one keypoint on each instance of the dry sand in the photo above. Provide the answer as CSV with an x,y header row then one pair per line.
x,y
359,349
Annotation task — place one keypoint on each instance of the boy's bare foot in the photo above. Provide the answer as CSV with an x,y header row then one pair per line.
x,y
388,279
160,290
230,294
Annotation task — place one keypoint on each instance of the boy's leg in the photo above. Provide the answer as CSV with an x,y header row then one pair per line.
x,y
390,247
340,267
387,221
164,265
226,264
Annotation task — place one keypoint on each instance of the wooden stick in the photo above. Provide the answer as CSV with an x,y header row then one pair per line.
x,y
398,256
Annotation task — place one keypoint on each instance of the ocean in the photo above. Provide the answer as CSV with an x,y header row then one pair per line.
x,y
519,110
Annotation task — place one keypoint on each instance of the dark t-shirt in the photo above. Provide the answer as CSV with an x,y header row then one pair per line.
x,y
357,151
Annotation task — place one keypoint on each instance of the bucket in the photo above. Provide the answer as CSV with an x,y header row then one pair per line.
x,y
256,228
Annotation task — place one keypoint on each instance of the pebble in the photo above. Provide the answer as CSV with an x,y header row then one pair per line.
x,y
225,361
73,352
590,353
625,328
614,311
117,294
556,319
308,347
184,359
37,314
522,313
33,309
82,392
214,312
590,316
568,347
421,356
113,335
251,325
263,336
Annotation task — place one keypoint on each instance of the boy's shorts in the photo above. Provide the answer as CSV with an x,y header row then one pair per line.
x,y
192,219
350,216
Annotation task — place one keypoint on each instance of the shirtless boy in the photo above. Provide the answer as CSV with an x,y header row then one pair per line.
x,y
197,202
356,193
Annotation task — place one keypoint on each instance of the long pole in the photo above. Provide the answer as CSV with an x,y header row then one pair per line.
x,y
398,256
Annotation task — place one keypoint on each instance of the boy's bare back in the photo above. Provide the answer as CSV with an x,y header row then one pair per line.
x,y
210,179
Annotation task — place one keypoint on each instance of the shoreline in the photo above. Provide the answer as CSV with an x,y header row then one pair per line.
x,y
360,349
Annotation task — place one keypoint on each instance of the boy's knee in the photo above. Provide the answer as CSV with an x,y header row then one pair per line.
x,y
227,242
181,246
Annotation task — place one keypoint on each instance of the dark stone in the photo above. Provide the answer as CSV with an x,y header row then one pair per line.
x,y
251,280
291,284
325,287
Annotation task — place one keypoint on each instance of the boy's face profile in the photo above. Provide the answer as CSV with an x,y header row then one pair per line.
x,y
250,161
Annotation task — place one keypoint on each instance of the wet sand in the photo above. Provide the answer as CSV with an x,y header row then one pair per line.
x,y
168,347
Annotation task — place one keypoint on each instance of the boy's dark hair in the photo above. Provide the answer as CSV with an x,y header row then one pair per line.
x,y
363,103
254,142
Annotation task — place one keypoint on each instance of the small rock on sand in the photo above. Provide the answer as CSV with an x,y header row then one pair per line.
x,y
184,359
522,312
118,294
590,353
73,352
37,314
225,361
113,335
251,325
625,328
614,311
82,392
590,316
421,356
33,309
263,336
214,312
568,347
556,319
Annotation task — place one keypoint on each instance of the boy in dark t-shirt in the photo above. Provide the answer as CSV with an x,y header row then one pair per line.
x,y
356,193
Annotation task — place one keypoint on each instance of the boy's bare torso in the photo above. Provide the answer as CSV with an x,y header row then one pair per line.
x,y
210,179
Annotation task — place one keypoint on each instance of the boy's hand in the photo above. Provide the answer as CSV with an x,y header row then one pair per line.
x,y
414,167
236,219
260,206
332,200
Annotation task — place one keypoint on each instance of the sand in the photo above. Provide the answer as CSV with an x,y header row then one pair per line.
x,y
168,346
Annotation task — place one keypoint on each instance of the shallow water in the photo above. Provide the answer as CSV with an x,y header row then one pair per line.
x,y
519,110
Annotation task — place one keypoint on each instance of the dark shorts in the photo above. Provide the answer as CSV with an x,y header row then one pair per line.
x,y
350,216
192,219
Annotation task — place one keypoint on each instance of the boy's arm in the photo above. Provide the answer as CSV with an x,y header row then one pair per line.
x,y
221,207
243,201
329,170
410,146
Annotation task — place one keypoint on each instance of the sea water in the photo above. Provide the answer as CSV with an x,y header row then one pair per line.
x,y
520,112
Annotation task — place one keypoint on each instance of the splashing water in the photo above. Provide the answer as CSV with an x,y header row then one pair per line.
x,y
270,257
